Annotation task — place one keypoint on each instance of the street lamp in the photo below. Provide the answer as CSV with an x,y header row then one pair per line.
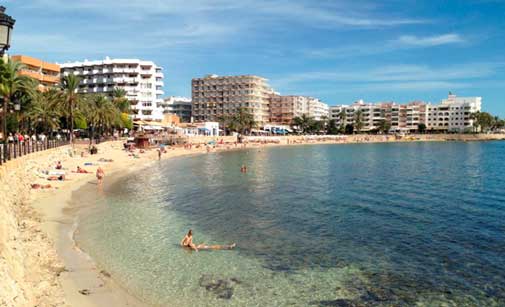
x,y
6,26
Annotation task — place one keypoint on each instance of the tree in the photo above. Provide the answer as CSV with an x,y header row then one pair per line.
x,y
358,120
421,128
101,113
43,111
482,121
316,126
120,101
384,126
303,122
242,121
14,87
349,129
331,128
126,121
71,100
342,116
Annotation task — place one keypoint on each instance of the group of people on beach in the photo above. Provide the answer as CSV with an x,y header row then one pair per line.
x,y
100,174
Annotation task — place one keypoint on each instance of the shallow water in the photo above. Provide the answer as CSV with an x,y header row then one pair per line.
x,y
321,225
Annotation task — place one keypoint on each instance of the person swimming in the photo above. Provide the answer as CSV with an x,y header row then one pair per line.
x,y
243,169
187,241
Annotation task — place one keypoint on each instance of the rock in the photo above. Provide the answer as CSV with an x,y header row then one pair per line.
x,y
85,292
222,288
105,273
335,303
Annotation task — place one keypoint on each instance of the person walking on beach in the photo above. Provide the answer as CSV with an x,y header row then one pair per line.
x,y
99,175
187,241
159,154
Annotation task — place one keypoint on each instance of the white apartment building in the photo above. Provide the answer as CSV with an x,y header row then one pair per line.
x,y
180,106
142,81
453,114
317,109
371,114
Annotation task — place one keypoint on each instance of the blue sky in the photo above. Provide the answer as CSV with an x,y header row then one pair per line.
x,y
338,51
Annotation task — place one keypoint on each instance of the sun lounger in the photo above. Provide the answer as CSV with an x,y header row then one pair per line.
x,y
56,173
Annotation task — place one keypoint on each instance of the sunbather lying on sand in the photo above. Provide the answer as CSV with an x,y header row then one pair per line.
x,y
41,186
187,241
81,170
55,177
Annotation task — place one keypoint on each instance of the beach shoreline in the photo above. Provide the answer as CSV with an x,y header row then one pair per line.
x,y
68,268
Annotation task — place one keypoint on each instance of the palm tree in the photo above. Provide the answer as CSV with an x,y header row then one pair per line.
x,y
343,116
120,101
71,100
14,86
474,116
244,120
358,122
302,122
101,113
384,126
43,110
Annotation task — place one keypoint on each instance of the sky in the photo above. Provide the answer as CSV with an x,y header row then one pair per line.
x,y
337,51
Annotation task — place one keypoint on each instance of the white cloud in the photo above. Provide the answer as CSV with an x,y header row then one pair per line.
x,y
394,78
343,13
412,40
403,42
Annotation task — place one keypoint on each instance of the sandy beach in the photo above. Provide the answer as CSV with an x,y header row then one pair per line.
x,y
39,262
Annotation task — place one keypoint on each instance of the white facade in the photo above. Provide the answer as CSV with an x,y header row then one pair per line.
x,y
317,109
454,113
203,128
371,114
180,106
142,81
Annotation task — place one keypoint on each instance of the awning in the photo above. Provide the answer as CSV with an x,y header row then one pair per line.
x,y
152,128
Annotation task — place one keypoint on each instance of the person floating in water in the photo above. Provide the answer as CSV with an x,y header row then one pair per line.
x,y
187,241
243,169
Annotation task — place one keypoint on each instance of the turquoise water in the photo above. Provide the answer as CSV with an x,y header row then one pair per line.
x,y
323,225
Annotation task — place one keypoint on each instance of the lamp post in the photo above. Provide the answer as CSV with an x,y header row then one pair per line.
x,y
6,26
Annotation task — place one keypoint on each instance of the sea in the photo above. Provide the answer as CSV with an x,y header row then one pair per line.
x,y
398,224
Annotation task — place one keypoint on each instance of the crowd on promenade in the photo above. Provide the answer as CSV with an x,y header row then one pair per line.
x,y
19,138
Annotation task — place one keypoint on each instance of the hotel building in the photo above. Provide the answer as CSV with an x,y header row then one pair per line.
x,y
214,96
451,115
317,109
180,106
47,74
142,81
284,108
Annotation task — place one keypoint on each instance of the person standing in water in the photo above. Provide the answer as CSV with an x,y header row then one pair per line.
x,y
99,175
243,169
187,241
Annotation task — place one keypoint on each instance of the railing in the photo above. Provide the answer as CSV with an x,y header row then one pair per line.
x,y
11,151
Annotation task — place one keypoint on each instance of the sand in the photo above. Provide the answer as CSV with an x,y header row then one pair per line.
x,y
39,262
